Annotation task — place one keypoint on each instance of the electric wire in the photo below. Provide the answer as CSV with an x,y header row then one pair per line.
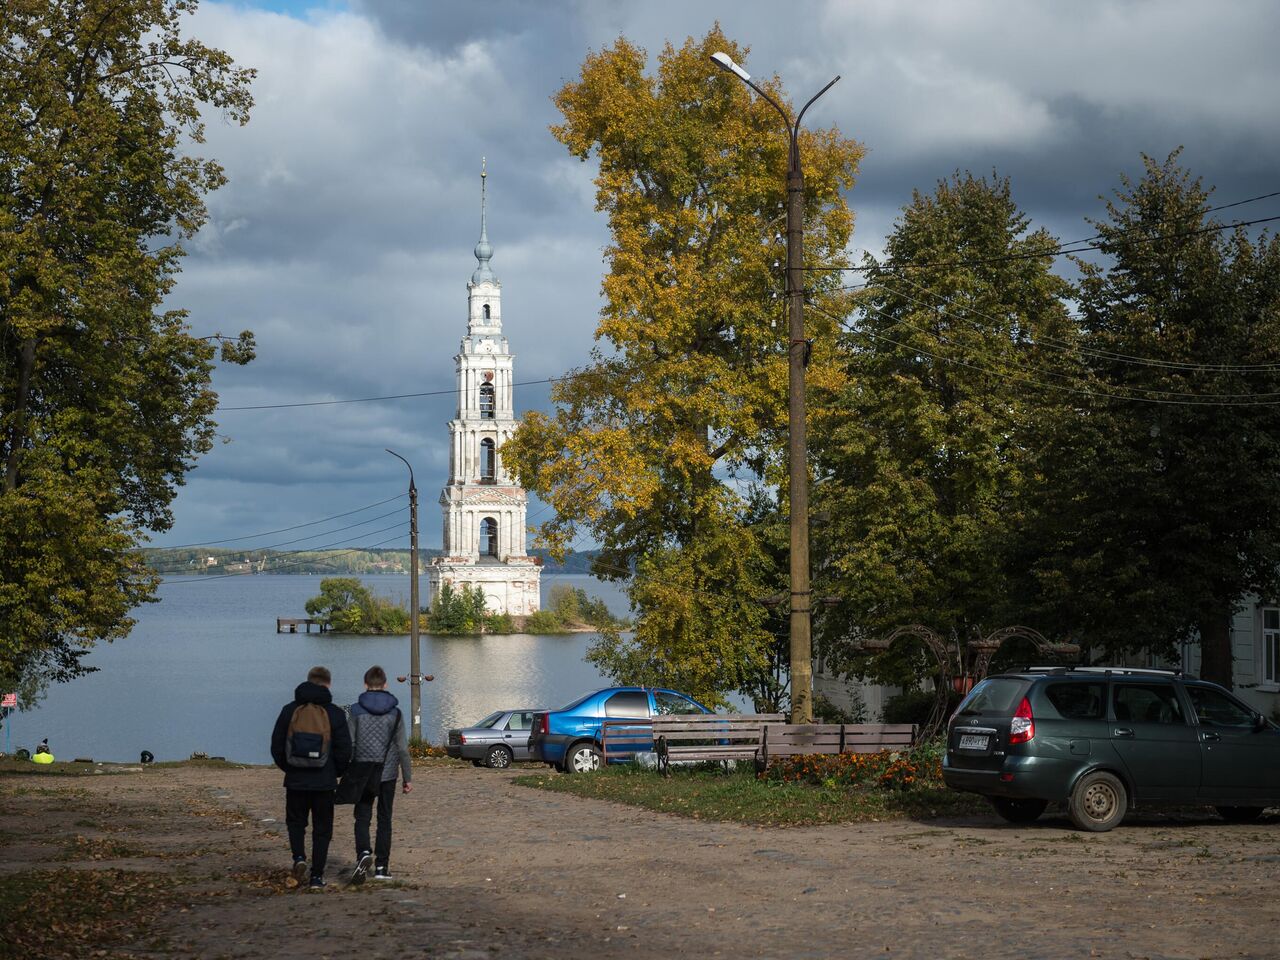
x,y
398,396
339,553
1097,394
1065,347
1059,250
325,533
296,526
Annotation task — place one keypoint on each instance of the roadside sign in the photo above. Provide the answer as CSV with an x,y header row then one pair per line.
x,y
9,700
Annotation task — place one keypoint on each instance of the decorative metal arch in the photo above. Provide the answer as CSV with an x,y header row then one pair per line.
x,y
961,665
984,649
947,657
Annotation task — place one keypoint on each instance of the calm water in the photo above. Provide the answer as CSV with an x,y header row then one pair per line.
x,y
205,670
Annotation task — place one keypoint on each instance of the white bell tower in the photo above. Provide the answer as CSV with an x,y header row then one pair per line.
x,y
484,507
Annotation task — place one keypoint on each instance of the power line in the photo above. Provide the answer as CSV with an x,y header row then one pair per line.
x,y
296,526
398,396
1097,394
325,533
1065,346
339,553
1062,249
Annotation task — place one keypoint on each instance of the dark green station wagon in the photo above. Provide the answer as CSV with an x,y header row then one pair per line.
x,y
1103,740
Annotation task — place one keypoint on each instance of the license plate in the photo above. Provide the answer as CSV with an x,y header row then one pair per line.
x,y
973,742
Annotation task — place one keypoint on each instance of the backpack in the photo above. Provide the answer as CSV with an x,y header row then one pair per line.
x,y
307,742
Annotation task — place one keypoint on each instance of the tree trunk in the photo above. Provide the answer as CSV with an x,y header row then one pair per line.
x,y
1215,647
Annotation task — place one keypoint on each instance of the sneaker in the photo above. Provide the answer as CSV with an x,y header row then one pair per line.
x,y
300,870
362,868
317,883
381,873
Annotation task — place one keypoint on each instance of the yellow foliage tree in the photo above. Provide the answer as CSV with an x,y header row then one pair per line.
x,y
684,398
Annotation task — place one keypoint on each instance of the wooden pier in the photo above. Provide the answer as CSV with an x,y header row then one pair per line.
x,y
291,624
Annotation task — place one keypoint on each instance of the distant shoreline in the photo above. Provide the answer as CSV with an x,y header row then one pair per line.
x,y
354,561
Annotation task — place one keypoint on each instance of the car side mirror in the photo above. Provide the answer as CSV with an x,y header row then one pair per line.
x,y
1259,722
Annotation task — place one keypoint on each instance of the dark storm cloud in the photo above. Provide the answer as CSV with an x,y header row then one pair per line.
x,y
344,237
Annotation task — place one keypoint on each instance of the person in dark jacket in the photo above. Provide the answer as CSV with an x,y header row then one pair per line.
x,y
380,738
309,789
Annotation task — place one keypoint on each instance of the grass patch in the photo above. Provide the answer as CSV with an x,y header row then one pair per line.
x,y
66,914
739,796
11,766
200,763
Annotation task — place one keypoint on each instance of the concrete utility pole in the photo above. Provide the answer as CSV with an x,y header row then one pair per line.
x,y
797,445
415,667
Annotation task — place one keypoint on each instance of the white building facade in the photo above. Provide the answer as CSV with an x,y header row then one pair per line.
x,y
484,507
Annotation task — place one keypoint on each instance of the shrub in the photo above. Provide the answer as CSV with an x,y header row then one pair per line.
x,y
915,768
915,706
348,606
544,621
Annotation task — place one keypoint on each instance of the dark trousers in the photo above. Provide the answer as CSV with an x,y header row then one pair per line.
x,y
318,804
385,797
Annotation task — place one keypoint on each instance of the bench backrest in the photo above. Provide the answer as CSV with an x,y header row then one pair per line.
x,y
787,739
624,737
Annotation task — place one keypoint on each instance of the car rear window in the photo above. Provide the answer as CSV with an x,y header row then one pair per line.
x,y
1077,701
995,696
576,703
490,720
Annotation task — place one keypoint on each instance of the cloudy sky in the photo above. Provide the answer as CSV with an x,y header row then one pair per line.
x,y
344,238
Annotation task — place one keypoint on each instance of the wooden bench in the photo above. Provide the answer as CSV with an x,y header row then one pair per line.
x,y
710,736
621,739
798,739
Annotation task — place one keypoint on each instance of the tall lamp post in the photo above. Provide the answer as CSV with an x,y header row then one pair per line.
x,y
415,667
797,443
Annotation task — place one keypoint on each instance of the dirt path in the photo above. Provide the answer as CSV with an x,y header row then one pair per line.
x,y
493,869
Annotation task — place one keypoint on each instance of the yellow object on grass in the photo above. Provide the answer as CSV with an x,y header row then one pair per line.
x,y
42,758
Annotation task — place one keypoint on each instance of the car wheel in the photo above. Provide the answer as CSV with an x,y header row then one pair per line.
x,y
1240,814
582,758
1019,811
498,758
1098,802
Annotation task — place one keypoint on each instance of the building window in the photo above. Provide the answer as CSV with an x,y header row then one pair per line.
x,y
1271,645
486,401
486,311
488,537
488,459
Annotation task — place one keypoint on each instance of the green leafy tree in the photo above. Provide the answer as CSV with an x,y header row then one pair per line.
x,y
924,456
342,603
1161,509
105,398
688,386
457,611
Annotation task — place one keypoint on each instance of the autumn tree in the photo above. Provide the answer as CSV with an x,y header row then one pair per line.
x,y
105,398
1161,510
685,393
923,458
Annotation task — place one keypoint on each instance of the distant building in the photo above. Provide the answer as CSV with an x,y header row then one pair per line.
x,y
484,508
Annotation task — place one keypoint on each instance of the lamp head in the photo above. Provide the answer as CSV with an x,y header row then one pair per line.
x,y
725,62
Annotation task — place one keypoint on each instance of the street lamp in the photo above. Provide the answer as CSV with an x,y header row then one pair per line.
x,y
797,444
415,670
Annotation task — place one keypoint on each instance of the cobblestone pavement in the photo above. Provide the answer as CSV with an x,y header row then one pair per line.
x,y
493,869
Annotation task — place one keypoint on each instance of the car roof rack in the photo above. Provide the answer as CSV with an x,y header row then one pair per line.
x,y
1105,671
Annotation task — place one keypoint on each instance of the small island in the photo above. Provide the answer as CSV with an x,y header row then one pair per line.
x,y
345,605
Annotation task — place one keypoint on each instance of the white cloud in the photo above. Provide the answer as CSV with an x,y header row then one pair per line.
x,y
344,237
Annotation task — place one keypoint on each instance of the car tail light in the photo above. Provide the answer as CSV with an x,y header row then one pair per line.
x,y
1023,727
544,723
462,738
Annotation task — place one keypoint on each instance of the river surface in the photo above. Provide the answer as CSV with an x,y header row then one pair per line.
x,y
204,670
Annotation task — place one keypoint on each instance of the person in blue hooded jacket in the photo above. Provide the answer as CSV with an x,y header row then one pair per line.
x,y
379,735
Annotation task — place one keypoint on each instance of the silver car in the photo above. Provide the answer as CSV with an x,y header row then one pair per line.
x,y
495,741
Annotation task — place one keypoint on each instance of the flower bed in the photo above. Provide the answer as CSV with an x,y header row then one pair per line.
x,y
908,770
